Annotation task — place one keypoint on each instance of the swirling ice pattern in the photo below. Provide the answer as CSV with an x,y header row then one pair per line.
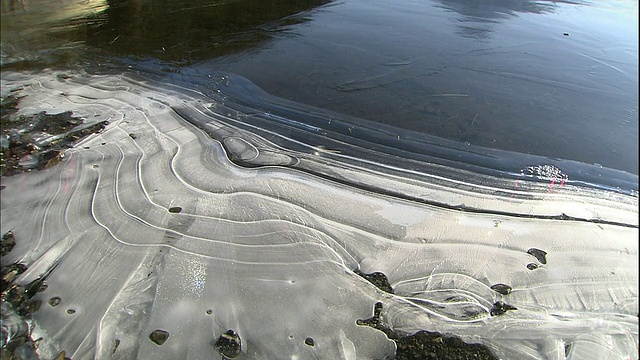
x,y
270,251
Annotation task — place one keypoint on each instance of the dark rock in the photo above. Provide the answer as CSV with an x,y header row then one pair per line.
x,y
55,301
159,336
7,243
538,254
501,288
23,153
35,286
49,158
427,345
375,321
378,279
229,344
175,209
532,266
309,341
116,343
433,345
8,274
500,308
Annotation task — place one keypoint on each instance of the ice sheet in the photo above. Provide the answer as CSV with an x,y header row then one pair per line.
x,y
214,208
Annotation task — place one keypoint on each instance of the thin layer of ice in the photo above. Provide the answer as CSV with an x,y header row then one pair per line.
x,y
276,213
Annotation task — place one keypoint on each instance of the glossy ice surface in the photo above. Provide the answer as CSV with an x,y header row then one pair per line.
x,y
209,208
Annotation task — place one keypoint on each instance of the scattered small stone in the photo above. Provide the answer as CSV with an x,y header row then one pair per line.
x,y
55,301
71,311
500,308
7,243
502,289
229,344
21,152
17,305
209,312
159,336
49,158
133,136
9,273
538,254
175,209
116,343
532,266
309,341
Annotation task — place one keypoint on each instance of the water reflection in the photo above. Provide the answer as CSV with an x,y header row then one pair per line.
x,y
499,9
185,31
525,87
176,31
40,32
478,17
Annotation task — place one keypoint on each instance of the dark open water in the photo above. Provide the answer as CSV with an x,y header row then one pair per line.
x,y
558,79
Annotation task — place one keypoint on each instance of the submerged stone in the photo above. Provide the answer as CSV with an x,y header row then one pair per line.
x,y
500,308
229,344
158,337
36,142
541,255
7,243
501,288
55,301
116,343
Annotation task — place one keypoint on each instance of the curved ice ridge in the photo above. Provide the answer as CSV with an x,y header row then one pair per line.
x,y
270,217
298,126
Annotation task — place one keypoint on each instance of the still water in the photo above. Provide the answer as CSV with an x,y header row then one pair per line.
x,y
558,79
